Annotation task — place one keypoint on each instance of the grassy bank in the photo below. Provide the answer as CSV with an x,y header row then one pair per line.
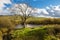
x,y
49,31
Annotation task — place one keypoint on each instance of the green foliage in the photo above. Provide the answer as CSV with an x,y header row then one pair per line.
x,y
49,31
5,22
30,34
43,21
39,33
15,20
50,37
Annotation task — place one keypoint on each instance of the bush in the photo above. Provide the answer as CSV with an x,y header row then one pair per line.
x,y
5,22
30,34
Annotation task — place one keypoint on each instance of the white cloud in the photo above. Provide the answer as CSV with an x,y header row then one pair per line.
x,y
56,7
47,7
40,11
54,11
44,11
36,10
49,11
2,3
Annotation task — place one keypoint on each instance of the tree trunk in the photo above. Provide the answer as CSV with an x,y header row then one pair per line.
x,y
24,25
23,22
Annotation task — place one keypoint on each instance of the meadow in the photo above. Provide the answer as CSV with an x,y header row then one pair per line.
x,y
49,31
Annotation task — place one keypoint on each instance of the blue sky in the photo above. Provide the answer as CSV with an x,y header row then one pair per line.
x,y
32,3
41,5
37,3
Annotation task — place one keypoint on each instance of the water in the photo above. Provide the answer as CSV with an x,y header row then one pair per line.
x,y
31,26
18,26
28,25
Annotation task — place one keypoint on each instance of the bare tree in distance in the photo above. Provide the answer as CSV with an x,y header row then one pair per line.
x,y
21,9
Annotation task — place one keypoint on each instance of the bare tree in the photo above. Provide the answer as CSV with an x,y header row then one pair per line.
x,y
21,9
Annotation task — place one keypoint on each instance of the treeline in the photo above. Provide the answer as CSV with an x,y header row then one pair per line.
x,y
15,20
43,21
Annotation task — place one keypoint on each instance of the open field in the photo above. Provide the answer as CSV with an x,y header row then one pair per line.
x,y
49,31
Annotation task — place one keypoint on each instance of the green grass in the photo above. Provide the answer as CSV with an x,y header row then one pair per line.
x,y
49,31
39,33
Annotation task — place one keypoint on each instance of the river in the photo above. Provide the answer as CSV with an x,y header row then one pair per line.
x,y
28,25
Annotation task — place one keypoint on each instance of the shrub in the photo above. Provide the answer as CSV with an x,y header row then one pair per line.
x,y
30,34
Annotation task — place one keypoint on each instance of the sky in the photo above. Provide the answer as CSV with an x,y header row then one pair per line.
x,y
32,3
49,7
37,3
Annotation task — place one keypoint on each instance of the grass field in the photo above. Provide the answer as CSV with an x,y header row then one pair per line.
x,y
49,31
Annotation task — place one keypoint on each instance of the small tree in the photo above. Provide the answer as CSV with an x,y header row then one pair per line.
x,y
23,10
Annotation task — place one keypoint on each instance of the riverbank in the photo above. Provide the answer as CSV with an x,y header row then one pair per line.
x,y
38,33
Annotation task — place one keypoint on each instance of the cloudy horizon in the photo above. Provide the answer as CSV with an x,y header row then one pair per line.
x,y
43,9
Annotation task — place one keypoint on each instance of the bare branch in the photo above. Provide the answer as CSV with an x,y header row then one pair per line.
x,y
23,9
